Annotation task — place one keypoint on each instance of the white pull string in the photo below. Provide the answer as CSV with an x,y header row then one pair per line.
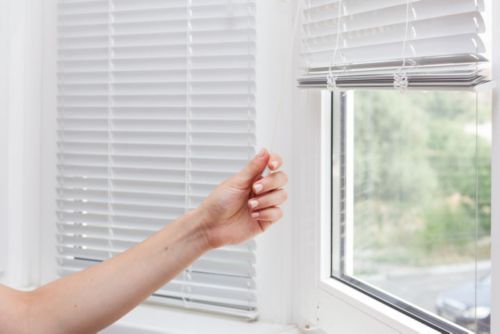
x,y
401,75
476,181
186,275
331,79
281,107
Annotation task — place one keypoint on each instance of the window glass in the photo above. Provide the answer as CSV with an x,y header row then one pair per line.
x,y
414,192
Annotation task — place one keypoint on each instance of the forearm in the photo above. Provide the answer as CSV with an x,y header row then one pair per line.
x,y
94,298
241,207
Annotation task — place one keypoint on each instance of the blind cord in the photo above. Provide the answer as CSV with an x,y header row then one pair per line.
x,y
476,181
186,275
331,79
281,107
110,129
401,76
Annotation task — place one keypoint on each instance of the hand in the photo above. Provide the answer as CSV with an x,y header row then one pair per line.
x,y
245,204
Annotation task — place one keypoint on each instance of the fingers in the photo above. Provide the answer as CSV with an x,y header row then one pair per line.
x,y
272,199
266,218
265,207
268,215
271,182
275,162
255,167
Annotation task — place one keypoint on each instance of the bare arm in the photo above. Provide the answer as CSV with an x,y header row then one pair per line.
x,y
86,302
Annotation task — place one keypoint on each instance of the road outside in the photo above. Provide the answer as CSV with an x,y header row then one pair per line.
x,y
422,286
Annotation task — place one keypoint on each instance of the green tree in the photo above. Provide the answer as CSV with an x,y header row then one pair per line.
x,y
418,167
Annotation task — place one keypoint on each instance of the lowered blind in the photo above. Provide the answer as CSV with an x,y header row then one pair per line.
x,y
156,106
359,43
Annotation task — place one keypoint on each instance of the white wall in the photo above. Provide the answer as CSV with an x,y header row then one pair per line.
x,y
20,120
4,119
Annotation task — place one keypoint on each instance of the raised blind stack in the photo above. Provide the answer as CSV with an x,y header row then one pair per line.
x,y
363,43
156,106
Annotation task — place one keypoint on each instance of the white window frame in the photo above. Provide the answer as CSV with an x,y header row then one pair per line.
x,y
334,132
326,283
321,304
495,173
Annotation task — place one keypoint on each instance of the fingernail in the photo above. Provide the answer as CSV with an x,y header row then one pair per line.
x,y
274,164
257,188
261,153
253,203
255,214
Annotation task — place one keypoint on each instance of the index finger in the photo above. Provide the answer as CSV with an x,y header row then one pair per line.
x,y
275,162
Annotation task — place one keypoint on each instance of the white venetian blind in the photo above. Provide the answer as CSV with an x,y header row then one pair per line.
x,y
155,107
363,43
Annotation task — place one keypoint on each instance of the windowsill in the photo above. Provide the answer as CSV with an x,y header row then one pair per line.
x,y
157,319
151,318
389,316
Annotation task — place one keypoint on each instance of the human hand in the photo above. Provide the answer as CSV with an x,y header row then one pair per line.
x,y
245,204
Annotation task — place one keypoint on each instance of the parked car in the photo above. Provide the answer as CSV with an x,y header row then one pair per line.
x,y
459,305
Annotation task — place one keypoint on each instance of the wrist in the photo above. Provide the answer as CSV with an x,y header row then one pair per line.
x,y
199,222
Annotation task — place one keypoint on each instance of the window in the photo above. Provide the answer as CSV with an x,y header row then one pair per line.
x,y
155,107
411,202
411,118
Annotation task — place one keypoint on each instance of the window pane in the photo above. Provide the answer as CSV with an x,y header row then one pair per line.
x,y
417,199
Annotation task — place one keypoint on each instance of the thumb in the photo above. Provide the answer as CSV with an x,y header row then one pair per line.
x,y
255,167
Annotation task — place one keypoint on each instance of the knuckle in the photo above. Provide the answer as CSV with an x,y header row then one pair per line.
x,y
284,177
281,195
280,178
254,165
284,195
